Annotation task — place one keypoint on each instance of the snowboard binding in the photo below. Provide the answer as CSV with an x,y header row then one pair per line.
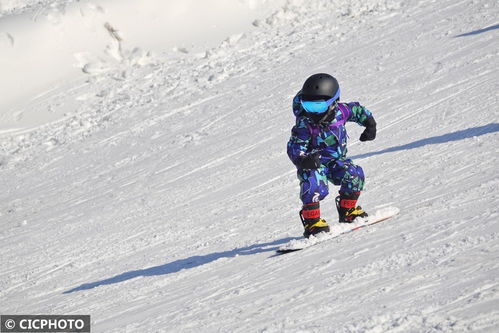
x,y
348,211
311,219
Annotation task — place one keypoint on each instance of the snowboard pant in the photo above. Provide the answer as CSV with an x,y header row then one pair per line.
x,y
314,183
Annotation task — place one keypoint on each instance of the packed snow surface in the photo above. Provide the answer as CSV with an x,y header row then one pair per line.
x,y
46,47
148,185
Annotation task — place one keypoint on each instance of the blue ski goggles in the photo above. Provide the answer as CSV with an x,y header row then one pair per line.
x,y
319,106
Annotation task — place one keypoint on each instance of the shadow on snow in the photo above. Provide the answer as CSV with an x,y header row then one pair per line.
x,y
454,136
178,265
476,32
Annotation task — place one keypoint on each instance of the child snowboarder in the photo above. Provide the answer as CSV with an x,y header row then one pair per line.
x,y
318,148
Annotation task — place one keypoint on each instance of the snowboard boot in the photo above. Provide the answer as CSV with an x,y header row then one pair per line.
x,y
311,218
347,207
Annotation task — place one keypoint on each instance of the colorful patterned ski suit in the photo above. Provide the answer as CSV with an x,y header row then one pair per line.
x,y
330,141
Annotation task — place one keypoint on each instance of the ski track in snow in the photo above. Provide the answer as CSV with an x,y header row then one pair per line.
x,y
157,203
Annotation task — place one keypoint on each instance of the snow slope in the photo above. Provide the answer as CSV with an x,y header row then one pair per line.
x,y
45,47
157,202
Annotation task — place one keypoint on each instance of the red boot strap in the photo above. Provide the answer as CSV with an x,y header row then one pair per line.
x,y
311,214
345,203
311,211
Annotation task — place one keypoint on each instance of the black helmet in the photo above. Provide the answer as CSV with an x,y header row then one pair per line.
x,y
320,86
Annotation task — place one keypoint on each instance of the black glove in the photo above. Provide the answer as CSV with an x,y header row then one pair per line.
x,y
370,131
312,161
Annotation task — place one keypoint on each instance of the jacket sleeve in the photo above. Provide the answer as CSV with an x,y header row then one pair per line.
x,y
360,114
299,141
